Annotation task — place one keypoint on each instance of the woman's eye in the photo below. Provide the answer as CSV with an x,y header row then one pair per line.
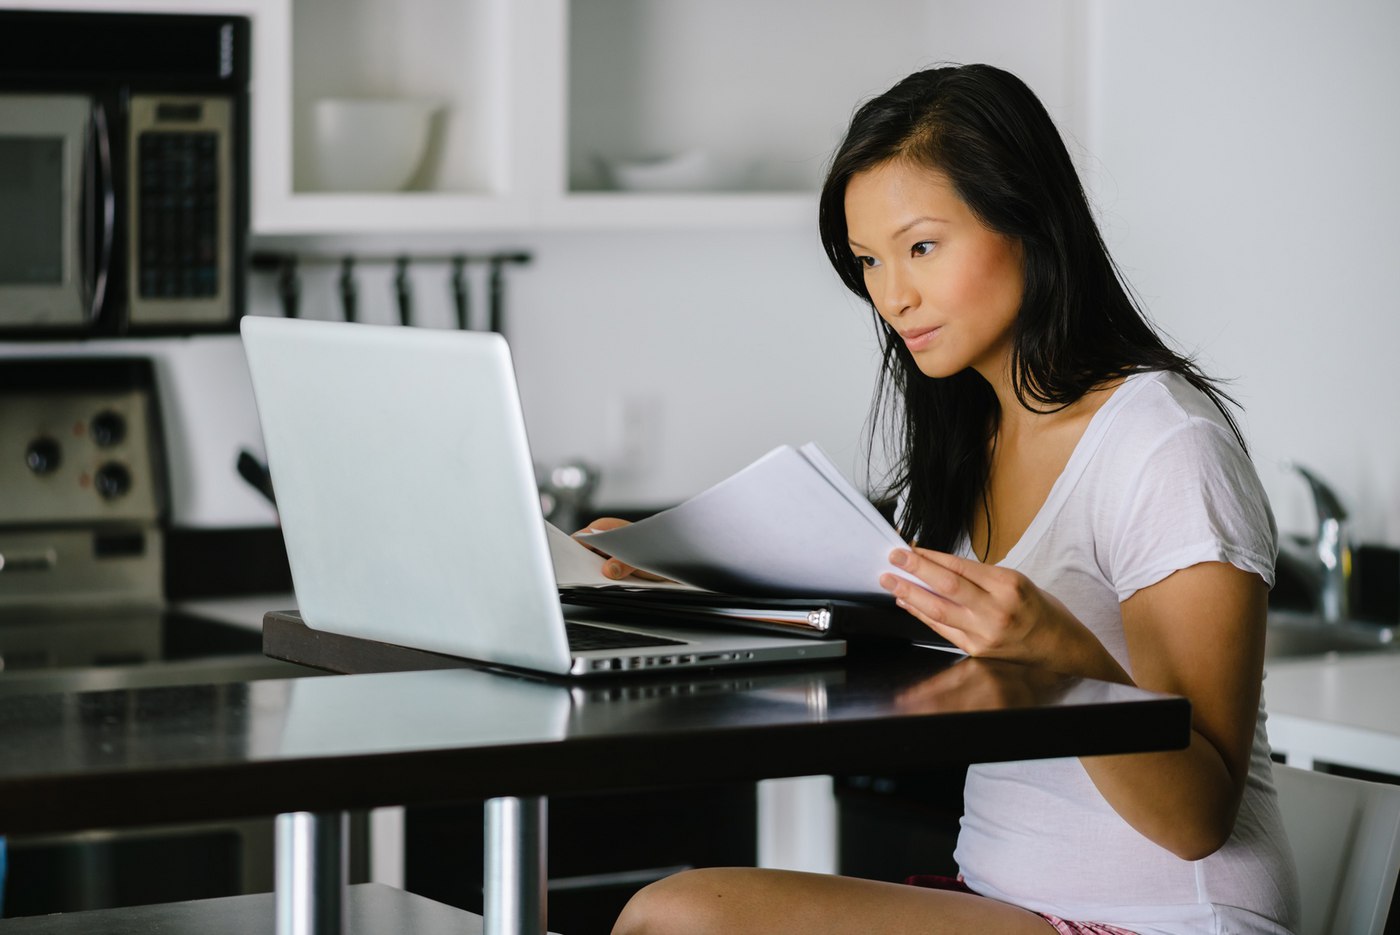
x,y
922,248
869,262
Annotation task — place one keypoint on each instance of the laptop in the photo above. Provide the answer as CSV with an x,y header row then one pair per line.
x,y
407,499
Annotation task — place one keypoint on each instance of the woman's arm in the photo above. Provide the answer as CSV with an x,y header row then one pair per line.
x,y
1197,633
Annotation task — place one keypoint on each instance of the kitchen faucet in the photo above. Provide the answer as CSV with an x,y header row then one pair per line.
x,y
1324,560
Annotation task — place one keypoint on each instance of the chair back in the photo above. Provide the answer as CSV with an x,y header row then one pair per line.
x,y
1346,840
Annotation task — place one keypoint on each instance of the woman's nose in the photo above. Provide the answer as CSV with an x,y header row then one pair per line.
x,y
897,293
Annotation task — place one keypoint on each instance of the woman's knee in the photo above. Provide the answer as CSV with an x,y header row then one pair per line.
x,y
687,903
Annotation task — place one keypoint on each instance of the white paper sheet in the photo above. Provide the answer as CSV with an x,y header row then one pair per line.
x,y
578,567
788,524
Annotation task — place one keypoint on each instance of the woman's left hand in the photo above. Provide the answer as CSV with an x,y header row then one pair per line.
x,y
987,610
1198,633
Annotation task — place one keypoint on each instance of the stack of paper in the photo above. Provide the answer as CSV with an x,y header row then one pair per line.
x,y
789,525
785,543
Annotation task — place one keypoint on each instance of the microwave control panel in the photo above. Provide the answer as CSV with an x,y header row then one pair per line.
x,y
182,218
178,254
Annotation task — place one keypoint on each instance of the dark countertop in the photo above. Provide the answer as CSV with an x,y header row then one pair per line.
x,y
165,754
94,649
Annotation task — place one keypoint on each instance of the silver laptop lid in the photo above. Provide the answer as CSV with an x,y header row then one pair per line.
x,y
406,489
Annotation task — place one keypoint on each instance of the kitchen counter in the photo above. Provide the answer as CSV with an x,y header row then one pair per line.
x,y
1341,708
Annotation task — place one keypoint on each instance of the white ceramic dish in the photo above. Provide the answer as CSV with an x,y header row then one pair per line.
x,y
369,144
691,171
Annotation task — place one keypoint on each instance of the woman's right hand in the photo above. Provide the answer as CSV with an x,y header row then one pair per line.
x,y
613,568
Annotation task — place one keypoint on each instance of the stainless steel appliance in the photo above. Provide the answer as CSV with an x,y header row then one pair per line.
x,y
81,486
84,607
123,172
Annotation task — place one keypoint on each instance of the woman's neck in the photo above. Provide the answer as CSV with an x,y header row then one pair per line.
x,y
1016,417
1023,419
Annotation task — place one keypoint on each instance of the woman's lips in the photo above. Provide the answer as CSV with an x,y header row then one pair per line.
x,y
920,338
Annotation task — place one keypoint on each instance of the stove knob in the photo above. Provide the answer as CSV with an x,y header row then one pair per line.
x,y
112,480
108,428
43,456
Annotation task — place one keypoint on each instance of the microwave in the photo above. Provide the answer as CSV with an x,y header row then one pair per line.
x,y
123,173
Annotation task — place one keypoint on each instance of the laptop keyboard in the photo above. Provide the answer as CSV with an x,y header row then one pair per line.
x,y
583,636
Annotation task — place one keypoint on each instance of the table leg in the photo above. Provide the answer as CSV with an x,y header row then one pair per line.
x,y
312,872
514,886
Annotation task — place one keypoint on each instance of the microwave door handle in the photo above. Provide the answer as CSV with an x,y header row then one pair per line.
x,y
102,196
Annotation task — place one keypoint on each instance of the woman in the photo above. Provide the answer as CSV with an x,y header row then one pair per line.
x,y
1080,500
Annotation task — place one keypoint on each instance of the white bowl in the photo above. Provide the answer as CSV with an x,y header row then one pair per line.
x,y
369,144
691,171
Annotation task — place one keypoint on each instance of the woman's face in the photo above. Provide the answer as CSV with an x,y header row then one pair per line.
x,y
946,283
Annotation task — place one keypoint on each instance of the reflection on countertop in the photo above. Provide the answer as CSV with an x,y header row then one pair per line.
x,y
42,651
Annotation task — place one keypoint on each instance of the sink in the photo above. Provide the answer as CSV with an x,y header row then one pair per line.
x,y
1292,634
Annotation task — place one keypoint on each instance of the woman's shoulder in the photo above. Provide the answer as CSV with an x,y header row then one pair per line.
x,y
1172,479
1151,405
1160,421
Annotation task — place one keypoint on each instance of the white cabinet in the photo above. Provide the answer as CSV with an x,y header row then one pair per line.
x,y
538,96
469,57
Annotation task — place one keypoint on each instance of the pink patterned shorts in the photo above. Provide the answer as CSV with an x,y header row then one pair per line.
x,y
1063,926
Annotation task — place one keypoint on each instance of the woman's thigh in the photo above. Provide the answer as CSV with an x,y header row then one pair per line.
x,y
734,901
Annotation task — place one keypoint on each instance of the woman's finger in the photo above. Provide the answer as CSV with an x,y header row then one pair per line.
x,y
985,577
939,578
603,524
1005,589
612,568
930,609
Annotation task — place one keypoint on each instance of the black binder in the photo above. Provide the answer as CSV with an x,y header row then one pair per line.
x,y
817,618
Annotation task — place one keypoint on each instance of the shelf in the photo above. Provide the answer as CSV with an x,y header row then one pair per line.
x,y
452,53
751,85
467,55
396,213
682,211
538,94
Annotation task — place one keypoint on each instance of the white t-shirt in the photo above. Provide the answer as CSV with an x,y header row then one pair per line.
x,y
1157,483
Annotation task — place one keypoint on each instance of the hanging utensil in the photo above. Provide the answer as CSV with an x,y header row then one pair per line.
x,y
497,296
257,475
289,287
403,290
461,292
349,291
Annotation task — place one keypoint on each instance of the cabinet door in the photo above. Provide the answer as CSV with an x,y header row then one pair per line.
x,y
560,114
402,116
706,113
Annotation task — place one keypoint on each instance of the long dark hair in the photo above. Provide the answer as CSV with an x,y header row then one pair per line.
x,y
1078,325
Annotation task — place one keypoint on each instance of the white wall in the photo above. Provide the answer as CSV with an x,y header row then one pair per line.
x,y
668,360
1247,175
1241,155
